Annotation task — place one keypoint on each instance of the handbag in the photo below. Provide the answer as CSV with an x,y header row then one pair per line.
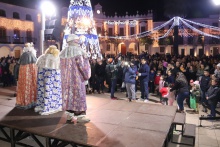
x,y
193,102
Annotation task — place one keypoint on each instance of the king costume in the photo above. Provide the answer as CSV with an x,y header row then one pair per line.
x,y
27,79
49,95
75,70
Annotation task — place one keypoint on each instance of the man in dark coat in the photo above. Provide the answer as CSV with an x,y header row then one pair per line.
x,y
100,76
143,74
212,96
204,85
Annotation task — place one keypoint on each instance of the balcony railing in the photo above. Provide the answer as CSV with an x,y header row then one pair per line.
x,y
5,39
30,39
18,40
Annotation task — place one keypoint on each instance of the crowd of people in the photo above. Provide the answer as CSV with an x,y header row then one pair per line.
x,y
179,78
8,71
171,78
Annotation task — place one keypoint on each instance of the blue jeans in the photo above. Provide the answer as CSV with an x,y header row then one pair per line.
x,y
213,107
113,85
203,99
180,98
144,89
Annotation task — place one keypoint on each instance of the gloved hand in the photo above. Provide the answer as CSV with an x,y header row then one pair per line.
x,y
139,74
128,65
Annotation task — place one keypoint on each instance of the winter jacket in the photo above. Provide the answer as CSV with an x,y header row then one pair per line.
x,y
164,91
130,74
145,72
170,79
157,79
112,70
204,83
180,86
152,76
213,94
100,70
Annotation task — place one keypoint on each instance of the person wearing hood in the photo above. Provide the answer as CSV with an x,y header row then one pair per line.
x,y
49,96
75,71
27,78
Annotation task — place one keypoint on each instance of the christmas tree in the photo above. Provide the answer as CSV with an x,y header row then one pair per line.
x,y
80,22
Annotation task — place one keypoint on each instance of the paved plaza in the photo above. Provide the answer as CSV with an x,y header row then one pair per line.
x,y
206,136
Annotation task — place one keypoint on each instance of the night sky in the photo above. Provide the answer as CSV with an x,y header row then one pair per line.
x,y
198,8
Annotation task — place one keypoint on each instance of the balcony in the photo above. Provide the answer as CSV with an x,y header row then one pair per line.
x,y
18,40
5,39
30,39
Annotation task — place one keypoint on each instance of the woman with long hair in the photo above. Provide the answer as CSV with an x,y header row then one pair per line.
x,y
182,89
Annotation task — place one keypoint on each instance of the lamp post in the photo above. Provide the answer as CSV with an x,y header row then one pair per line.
x,y
47,9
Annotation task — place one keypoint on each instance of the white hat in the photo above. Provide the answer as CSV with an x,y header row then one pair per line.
x,y
196,82
72,37
218,65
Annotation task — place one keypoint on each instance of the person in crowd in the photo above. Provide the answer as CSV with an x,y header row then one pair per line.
x,y
100,76
204,86
112,69
160,86
181,86
164,93
200,71
143,74
151,81
49,95
92,79
191,73
173,70
27,79
120,77
177,67
183,69
212,96
16,71
108,74
75,70
157,82
213,68
130,71
217,71
195,93
170,78
11,71
5,73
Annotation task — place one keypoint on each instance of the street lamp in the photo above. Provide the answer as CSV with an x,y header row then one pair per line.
x,y
216,2
47,9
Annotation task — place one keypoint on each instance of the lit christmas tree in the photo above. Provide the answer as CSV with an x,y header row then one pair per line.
x,y
80,22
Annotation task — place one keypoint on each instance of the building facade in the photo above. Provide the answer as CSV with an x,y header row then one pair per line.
x,y
19,25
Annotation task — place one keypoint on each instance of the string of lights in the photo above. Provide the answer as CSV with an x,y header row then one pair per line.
x,y
140,35
198,31
176,21
202,25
